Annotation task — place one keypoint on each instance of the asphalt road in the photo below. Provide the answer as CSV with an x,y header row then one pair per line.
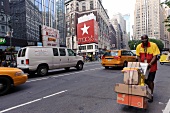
x,y
86,91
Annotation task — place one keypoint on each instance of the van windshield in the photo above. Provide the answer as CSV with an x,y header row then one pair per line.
x,y
112,53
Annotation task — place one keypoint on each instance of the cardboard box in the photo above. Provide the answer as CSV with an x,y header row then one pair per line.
x,y
138,90
131,100
132,77
133,64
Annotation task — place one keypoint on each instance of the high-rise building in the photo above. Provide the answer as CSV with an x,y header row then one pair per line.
x,y
79,8
166,38
119,33
4,17
112,35
118,18
148,18
127,18
28,15
128,34
60,7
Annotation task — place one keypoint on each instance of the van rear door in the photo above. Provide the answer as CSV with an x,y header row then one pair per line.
x,y
21,59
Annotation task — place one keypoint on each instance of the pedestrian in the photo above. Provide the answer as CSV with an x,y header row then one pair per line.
x,y
96,57
147,52
4,63
90,57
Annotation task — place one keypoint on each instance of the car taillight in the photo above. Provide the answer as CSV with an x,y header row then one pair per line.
x,y
103,57
117,57
27,61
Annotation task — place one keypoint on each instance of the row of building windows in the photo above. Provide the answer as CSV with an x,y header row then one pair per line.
x,y
77,6
88,47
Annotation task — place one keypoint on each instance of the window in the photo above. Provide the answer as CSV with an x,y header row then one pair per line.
x,y
2,3
91,5
82,47
90,47
55,51
62,52
67,9
3,28
96,47
2,10
70,52
113,53
23,52
77,6
72,7
125,53
84,6
19,53
2,18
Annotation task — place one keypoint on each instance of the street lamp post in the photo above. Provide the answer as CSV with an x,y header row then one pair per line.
x,y
10,35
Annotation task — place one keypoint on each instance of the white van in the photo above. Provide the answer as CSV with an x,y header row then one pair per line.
x,y
34,59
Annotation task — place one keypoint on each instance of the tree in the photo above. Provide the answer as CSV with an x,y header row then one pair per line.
x,y
167,20
133,43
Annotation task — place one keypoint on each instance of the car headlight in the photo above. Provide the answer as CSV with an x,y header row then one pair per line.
x,y
19,73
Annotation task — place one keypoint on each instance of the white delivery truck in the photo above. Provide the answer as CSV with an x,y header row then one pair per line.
x,y
35,59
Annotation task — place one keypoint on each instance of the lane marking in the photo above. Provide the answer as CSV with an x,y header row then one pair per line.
x,y
37,79
91,65
62,75
167,108
30,102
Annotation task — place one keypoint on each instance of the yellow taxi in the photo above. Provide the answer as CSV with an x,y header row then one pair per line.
x,y
10,77
116,58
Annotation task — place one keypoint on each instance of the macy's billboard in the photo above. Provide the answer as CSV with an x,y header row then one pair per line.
x,y
87,31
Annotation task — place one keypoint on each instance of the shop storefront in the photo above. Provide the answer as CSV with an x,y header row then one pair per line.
x,y
6,44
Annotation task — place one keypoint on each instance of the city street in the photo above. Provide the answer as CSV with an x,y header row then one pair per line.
x,y
88,91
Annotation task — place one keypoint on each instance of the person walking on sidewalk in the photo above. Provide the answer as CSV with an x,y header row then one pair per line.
x,y
147,52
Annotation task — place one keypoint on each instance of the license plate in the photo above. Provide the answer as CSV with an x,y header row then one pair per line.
x,y
109,59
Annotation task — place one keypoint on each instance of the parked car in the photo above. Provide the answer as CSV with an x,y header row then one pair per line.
x,y
10,77
39,60
115,58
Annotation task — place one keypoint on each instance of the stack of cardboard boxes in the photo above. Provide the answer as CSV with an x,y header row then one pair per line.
x,y
134,92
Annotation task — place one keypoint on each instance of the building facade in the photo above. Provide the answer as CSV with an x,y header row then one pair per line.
x,y
112,34
4,17
119,33
148,18
28,16
78,8
122,22
166,38
127,35
60,7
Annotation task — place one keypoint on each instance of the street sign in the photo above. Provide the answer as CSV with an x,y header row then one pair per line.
x,y
2,41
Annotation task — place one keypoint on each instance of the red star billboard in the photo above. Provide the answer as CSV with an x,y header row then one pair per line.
x,y
87,32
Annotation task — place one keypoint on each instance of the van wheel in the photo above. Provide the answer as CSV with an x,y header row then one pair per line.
x,y
125,64
5,85
67,68
42,70
79,66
